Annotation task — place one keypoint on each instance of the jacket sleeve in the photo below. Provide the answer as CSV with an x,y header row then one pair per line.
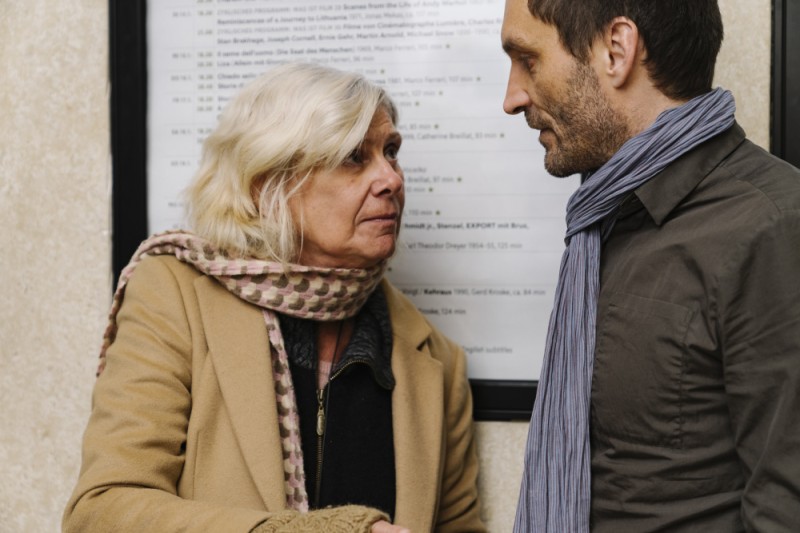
x,y
350,518
459,511
133,448
761,350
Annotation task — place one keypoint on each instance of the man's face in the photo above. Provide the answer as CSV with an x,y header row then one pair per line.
x,y
559,96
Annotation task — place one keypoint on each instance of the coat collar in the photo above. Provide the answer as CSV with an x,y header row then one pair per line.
x,y
662,194
238,348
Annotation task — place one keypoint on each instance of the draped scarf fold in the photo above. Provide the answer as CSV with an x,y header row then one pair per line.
x,y
555,492
323,294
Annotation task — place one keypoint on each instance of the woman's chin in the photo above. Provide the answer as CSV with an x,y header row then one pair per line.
x,y
374,258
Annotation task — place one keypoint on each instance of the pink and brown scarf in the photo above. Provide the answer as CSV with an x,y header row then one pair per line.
x,y
323,294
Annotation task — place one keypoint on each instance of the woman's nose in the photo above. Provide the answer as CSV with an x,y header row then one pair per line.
x,y
388,178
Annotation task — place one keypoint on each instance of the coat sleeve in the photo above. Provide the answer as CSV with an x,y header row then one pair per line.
x,y
761,350
133,448
459,511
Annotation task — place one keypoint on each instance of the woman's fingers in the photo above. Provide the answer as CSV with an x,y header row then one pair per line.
x,y
385,527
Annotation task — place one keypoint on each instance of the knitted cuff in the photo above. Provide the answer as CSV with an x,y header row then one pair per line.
x,y
345,519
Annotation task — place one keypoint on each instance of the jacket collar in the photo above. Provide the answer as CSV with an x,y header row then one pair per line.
x,y
662,194
371,343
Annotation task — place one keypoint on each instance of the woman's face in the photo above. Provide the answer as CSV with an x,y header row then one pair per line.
x,y
351,215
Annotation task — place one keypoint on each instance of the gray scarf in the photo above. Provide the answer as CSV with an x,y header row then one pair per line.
x,y
555,493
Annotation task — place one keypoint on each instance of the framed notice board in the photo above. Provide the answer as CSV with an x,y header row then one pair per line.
x,y
479,206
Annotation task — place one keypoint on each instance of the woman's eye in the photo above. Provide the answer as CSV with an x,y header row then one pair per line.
x,y
392,152
355,157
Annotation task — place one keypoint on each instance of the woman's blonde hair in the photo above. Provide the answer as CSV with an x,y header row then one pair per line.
x,y
294,120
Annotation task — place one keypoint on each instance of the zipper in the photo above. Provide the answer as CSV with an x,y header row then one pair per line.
x,y
347,364
320,438
321,425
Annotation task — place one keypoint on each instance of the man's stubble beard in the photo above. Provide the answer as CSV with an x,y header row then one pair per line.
x,y
587,129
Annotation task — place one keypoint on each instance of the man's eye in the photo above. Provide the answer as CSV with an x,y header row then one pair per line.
x,y
529,62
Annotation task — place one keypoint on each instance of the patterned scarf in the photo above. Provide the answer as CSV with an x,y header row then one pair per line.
x,y
555,493
323,294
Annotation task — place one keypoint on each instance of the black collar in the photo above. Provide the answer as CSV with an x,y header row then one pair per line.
x,y
371,343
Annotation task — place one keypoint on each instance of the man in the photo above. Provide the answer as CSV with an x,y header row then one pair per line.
x,y
669,399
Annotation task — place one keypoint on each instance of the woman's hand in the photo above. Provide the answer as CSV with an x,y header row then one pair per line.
x,y
385,527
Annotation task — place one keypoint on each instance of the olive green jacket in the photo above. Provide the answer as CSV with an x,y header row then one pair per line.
x,y
696,387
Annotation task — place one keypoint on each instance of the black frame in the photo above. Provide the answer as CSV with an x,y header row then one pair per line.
x,y
493,399
128,72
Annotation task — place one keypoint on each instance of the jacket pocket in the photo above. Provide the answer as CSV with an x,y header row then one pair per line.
x,y
637,386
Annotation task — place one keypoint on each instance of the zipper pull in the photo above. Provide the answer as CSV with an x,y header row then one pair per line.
x,y
320,412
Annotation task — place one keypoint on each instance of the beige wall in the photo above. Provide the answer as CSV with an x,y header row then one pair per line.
x,y
55,244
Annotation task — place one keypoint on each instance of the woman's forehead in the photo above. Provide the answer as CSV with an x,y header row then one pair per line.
x,y
381,126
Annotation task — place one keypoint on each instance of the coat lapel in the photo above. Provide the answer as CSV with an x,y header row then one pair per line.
x,y
239,350
417,412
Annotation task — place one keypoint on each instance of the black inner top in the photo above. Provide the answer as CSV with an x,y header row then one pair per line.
x,y
357,459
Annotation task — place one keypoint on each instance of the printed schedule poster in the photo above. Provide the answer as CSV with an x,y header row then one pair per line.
x,y
483,227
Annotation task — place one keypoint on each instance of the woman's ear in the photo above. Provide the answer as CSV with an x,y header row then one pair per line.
x,y
621,51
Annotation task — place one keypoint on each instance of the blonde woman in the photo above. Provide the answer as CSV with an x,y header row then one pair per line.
x,y
259,374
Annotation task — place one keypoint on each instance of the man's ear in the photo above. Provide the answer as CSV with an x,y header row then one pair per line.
x,y
621,50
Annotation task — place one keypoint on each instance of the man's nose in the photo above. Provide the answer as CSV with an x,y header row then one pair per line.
x,y
517,98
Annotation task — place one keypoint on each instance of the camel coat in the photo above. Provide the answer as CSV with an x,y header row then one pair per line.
x,y
183,434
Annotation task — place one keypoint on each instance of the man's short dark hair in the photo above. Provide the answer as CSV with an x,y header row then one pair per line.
x,y
682,37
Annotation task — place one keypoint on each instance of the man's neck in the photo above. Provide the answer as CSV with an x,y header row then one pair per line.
x,y
641,104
